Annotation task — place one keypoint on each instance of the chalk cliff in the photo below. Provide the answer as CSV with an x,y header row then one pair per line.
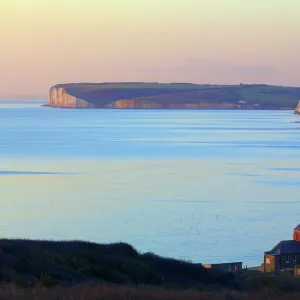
x,y
144,104
297,110
59,97
141,95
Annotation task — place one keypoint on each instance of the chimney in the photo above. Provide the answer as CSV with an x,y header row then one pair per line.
x,y
296,235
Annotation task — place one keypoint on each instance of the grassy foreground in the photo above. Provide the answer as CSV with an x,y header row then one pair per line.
x,y
82,270
114,292
28,263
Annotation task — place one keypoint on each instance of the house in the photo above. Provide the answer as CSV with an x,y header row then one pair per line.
x,y
242,102
284,256
296,235
225,267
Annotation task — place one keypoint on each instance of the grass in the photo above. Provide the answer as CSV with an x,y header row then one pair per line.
x,y
270,95
28,262
82,270
132,85
99,291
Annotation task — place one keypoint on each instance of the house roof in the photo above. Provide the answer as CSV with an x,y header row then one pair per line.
x,y
297,228
285,247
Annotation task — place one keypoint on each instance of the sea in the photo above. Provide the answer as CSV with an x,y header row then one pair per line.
x,y
206,186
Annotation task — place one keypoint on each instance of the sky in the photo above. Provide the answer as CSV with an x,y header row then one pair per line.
x,y
45,42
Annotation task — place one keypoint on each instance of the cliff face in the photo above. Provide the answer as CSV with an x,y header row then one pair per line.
x,y
297,110
143,104
132,103
141,95
58,97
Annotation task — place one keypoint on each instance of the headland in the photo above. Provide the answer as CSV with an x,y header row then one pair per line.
x,y
145,95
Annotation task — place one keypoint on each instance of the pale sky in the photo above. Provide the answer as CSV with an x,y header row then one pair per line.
x,y
45,42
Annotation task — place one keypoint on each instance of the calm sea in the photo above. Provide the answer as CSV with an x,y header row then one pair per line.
x,y
207,186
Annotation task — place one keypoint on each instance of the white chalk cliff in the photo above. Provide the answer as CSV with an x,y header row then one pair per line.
x,y
297,110
58,97
141,95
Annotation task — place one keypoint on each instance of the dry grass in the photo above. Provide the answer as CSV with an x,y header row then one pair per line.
x,y
114,292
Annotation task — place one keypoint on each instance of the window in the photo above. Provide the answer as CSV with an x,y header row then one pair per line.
x,y
268,260
295,259
287,259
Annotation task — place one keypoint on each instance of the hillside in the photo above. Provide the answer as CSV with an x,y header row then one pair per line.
x,y
82,270
77,262
172,96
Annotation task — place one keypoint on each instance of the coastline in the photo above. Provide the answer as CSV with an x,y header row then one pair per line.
x,y
192,109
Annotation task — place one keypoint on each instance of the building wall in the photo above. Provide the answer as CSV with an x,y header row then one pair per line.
x,y
273,262
289,261
225,267
296,235
270,263
297,270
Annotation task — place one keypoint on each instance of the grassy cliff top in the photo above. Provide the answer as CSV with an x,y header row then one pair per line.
x,y
265,95
78,261
84,270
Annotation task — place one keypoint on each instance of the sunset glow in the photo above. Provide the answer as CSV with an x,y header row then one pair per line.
x,y
45,42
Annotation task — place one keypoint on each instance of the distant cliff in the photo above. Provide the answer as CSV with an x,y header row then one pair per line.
x,y
297,110
139,95
59,97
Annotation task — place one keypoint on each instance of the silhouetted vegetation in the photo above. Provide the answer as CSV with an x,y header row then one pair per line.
x,y
83,270
49,263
